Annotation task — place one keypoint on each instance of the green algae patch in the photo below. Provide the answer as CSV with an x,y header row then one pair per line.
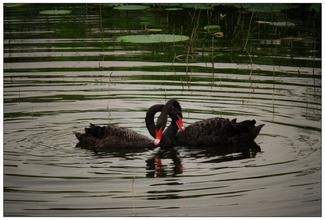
x,y
152,38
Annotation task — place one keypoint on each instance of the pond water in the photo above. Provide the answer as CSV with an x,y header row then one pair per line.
x,y
64,70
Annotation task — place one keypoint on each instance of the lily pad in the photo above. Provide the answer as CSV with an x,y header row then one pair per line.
x,y
198,6
55,12
264,22
14,5
277,23
283,24
174,9
153,30
131,7
218,34
152,38
212,28
265,7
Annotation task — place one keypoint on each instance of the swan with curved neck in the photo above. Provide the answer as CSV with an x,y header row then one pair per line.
x,y
217,132
101,138
172,109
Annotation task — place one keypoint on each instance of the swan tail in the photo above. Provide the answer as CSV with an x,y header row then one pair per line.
x,y
95,131
258,128
248,129
78,135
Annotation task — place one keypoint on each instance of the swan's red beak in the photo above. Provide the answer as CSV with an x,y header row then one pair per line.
x,y
158,136
179,123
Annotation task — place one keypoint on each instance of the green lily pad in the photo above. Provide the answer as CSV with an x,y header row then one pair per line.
x,y
14,5
131,7
264,22
283,24
212,28
55,12
277,23
174,9
153,30
218,34
198,6
152,38
265,7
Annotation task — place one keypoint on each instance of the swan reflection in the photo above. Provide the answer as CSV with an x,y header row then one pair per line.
x,y
159,164
156,165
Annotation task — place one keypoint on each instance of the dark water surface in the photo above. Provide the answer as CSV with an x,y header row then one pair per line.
x,y
63,71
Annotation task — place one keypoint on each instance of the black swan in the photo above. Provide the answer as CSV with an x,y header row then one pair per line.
x,y
219,133
172,109
102,138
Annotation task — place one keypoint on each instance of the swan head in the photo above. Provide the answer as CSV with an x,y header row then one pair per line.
x,y
177,112
177,117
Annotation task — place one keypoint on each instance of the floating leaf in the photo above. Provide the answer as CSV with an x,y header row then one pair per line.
x,y
270,42
55,12
218,34
198,6
174,9
277,24
14,5
291,39
212,28
131,7
152,38
153,30
264,22
265,7
283,24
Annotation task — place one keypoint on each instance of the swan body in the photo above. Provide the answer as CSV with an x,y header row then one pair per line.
x,y
100,138
218,132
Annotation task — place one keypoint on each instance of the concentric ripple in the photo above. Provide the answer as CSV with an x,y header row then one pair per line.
x,y
68,71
